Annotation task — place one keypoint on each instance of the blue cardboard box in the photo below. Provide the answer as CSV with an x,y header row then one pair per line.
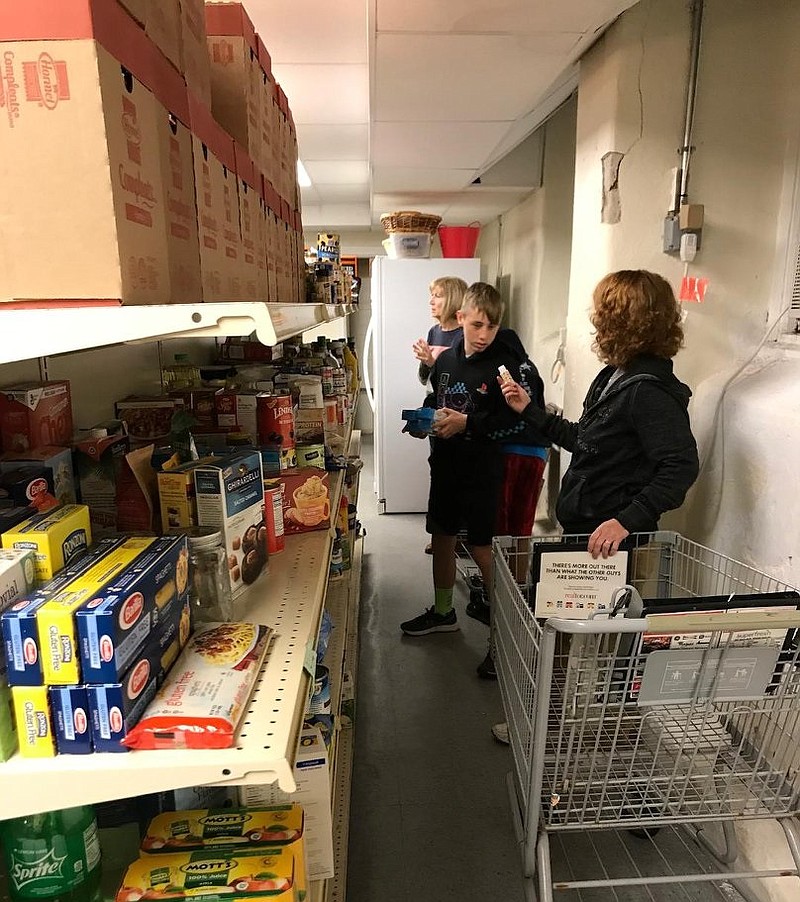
x,y
114,626
69,708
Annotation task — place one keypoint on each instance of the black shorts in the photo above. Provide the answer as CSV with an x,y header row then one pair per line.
x,y
464,495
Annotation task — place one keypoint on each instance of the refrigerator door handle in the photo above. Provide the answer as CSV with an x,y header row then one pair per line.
x,y
369,340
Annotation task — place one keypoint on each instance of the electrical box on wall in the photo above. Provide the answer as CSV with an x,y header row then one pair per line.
x,y
672,234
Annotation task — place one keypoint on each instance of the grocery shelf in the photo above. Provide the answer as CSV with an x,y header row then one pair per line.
x,y
44,331
336,887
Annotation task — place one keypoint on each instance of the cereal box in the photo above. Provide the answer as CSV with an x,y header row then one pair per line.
x,y
55,538
306,500
116,707
19,624
198,874
114,625
69,714
17,575
59,460
34,414
34,723
230,497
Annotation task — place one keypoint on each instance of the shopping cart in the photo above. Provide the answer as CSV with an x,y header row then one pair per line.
x,y
626,775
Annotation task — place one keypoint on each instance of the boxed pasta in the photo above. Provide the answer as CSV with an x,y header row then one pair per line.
x,y
17,577
202,700
8,727
55,539
34,722
57,459
19,623
69,712
115,707
115,624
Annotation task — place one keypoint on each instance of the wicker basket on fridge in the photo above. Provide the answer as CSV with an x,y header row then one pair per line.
x,y
410,221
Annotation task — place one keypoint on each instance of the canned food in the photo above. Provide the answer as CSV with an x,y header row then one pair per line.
x,y
311,455
273,519
275,419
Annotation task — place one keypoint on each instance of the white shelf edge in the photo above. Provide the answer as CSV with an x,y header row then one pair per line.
x,y
43,332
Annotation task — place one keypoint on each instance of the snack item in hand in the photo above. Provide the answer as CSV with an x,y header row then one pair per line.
x,y
504,374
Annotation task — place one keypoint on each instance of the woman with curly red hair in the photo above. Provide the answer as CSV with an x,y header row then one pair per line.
x,y
633,453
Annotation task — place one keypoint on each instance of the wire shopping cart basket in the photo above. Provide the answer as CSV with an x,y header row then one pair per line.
x,y
667,714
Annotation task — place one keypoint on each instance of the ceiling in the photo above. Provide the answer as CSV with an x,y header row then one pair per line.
x,y
403,104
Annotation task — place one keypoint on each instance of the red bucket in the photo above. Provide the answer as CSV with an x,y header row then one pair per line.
x,y
459,241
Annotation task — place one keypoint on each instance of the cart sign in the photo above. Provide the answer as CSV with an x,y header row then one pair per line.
x,y
732,674
576,586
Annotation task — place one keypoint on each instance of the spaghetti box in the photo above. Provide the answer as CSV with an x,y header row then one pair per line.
x,y
55,538
114,625
59,460
116,707
69,715
35,414
34,722
17,576
29,484
19,623
230,497
55,620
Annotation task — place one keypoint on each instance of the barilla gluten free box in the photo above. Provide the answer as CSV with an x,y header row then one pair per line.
x,y
116,707
58,635
55,539
34,722
225,874
19,624
113,626
69,713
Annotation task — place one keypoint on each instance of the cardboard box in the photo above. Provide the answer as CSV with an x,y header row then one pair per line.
x,y
230,497
115,624
137,8
96,209
312,776
178,188
195,64
214,165
57,537
148,418
69,713
34,414
59,460
237,411
233,54
116,707
17,580
34,722
176,495
97,462
29,486
306,499
8,727
163,26
19,625
248,199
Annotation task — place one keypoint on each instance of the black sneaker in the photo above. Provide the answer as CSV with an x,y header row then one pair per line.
x,y
486,669
431,622
478,607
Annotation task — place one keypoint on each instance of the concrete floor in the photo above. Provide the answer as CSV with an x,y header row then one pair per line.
x,y
430,816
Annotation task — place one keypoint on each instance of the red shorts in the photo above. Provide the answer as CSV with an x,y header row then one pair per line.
x,y
522,483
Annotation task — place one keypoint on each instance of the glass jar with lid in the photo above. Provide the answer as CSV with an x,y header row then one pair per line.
x,y
212,601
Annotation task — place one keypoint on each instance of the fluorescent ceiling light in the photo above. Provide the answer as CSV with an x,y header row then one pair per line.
x,y
303,178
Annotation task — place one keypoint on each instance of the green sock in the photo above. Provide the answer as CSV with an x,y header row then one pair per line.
x,y
443,602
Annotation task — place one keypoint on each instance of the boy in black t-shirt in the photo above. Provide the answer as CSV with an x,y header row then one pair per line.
x,y
466,462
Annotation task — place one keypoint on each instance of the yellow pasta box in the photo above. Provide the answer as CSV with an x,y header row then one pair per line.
x,y
247,830
55,538
236,873
34,722
55,620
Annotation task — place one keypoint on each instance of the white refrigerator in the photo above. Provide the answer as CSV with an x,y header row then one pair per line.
x,y
401,315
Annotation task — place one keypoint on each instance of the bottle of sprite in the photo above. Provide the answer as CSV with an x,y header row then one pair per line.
x,y
54,856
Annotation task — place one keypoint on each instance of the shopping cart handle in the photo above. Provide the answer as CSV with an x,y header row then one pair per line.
x,y
723,621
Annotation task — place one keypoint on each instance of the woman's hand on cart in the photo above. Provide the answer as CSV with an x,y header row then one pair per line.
x,y
605,540
516,396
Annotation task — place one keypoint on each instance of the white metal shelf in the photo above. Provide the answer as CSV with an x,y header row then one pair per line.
x,y
42,332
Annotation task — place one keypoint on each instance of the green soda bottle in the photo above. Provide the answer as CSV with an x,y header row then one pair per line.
x,y
53,856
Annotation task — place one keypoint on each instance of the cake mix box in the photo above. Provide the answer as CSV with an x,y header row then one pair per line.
x,y
116,623
55,538
230,497
19,622
33,414
306,499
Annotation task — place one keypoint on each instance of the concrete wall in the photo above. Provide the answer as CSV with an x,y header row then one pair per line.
x,y
745,409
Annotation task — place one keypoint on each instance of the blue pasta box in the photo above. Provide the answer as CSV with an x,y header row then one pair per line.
x,y
116,707
19,624
69,710
114,626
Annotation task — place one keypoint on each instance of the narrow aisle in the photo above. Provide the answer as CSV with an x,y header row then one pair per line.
x,y
429,817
